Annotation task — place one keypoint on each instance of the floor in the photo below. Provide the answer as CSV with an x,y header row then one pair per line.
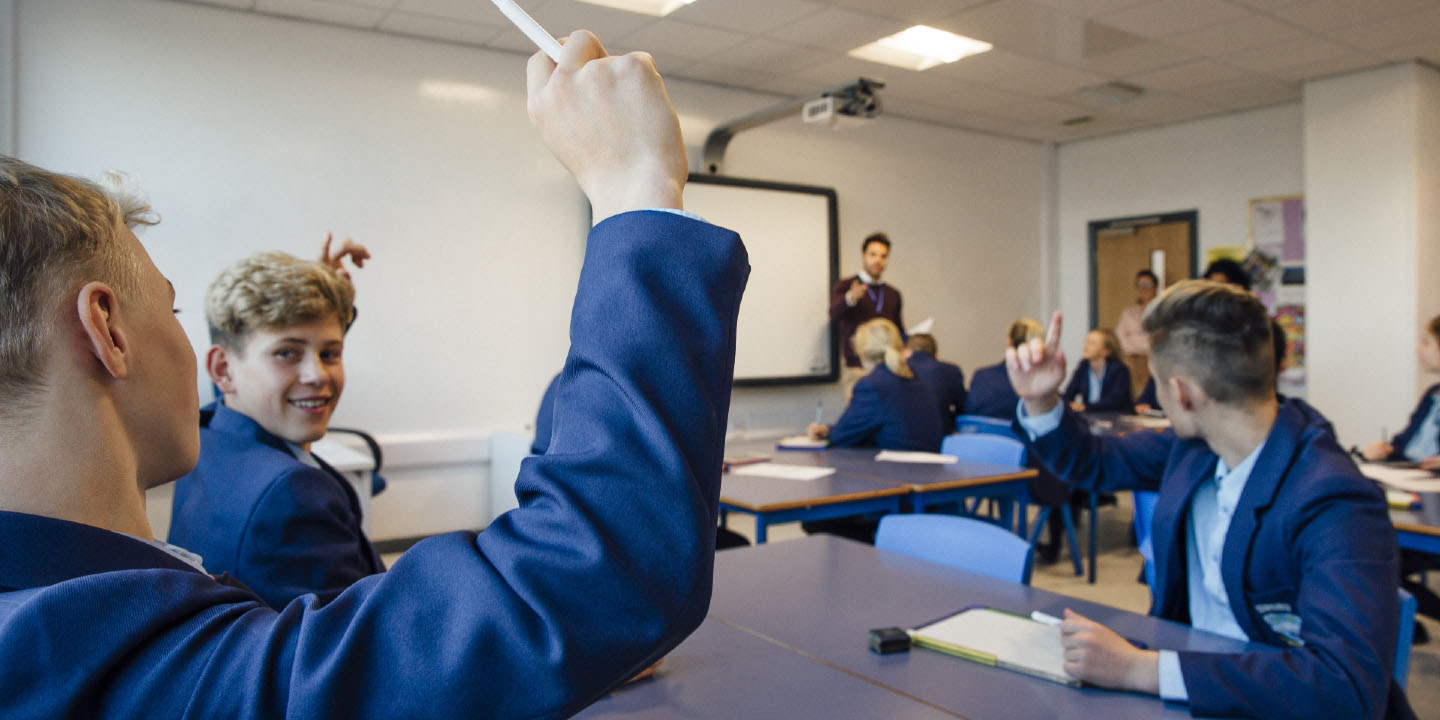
x,y
1116,585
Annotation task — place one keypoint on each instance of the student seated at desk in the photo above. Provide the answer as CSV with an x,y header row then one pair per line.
x,y
990,392
1101,382
1264,530
259,505
1419,442
945,379
890,409
605,566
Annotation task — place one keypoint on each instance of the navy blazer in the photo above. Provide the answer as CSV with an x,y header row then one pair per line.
x,y
946,380
1147,394
604,567
1416,418
251,509
991,394
1310,539
891,413
1114,388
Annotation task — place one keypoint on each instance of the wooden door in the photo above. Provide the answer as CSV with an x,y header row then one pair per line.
x,y
1119,249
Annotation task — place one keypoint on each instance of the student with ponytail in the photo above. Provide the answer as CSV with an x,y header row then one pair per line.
x,y
890,408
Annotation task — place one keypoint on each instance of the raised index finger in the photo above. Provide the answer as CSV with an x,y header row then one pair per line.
x,y
1052,336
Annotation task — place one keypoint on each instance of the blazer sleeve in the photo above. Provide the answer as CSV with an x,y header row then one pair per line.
x,y
303,536
1135,461
1115,388
862,418
605,566
1345,548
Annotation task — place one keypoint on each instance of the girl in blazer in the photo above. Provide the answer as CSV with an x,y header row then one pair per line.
x,y
890,408
1419,442
1101,382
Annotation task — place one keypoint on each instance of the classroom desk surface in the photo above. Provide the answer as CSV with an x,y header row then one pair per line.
x,y
1419,529
722,671
820,595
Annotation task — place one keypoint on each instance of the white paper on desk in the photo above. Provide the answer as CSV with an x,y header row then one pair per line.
x,y
909,456
784,472
1409,479
1146,421
922,327
1017,643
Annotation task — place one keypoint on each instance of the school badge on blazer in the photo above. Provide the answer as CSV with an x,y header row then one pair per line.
x,y
1282,620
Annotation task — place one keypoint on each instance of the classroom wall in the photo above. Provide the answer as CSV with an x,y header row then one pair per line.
x,y
8,71
1214,165
251,132
1372,175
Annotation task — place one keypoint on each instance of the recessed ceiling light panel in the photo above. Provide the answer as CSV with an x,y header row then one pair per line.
x,y
645,7
919,48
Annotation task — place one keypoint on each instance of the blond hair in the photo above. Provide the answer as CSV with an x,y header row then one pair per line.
x,y
57,233
1024,330
271,291
1112,342
878,341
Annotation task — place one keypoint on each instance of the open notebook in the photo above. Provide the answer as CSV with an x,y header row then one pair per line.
x,y
998,639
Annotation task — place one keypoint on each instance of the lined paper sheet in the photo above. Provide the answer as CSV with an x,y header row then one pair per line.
x,y
1400,478
784,472
910,456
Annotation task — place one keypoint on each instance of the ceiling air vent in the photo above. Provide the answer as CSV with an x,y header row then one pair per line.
x,y
1112,93
1079,120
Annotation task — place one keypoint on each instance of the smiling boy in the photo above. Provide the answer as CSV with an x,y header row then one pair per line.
x,y
259,505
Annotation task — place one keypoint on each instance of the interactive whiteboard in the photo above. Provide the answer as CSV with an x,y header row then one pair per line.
x,y
791,234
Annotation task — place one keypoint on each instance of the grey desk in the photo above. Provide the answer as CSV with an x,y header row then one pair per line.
x,y
726,672
1419,529
775,500
925,484
820,594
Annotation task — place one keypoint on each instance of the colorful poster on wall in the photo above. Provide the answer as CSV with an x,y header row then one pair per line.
x,y
1276,263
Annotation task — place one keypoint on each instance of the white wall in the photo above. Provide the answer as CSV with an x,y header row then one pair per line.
x,y
1372,174
232,124
1215,165
8,71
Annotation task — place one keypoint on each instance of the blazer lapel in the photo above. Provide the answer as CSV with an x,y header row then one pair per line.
x,y
1168,529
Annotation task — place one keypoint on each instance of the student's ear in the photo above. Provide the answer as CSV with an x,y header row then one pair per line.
x,y
1185,392
96,304
217,363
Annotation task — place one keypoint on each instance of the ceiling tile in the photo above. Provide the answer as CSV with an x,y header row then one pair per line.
x,y
1089,8
666,63
1398,30
753,16
1105,50
1289,53
1040,112
1321,15
1331,66
239,4
467,10
1235,35
1192,74
1163,18
843,69
790,86
910,11
706,71
770,55
1246,92
330,12
1427,50
951,92
512,40
683,39
1014,25
610,25
1021,74
419,25
1160,108
837,29
1265,5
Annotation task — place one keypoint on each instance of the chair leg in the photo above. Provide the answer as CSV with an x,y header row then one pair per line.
x,y
1069,519
1039,524
1094,525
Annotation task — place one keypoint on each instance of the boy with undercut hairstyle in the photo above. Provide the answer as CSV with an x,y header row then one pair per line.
x,y
1264,529
605,566
259,505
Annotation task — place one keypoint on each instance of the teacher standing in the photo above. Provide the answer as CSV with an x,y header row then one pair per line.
x,y
862,297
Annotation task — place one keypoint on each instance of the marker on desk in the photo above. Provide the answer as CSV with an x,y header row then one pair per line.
x,y
526,24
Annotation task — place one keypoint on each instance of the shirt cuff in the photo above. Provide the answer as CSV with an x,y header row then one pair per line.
x,y
1172,681
1040,424
849,301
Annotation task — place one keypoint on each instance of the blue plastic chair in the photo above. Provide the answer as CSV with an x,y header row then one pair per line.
x,y
981,424
959,542
986,448
1144,512
1408,606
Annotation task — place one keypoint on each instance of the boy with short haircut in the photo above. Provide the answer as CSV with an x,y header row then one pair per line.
x,y
259,505
98,404
1264,530
946,379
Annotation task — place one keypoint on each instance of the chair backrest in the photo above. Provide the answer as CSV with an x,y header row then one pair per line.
x,y
959,542
1144,513
1408,606
983,424
987,448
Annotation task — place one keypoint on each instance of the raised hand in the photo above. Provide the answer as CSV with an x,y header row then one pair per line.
x,y
610,123
336,260
856,291
1037,369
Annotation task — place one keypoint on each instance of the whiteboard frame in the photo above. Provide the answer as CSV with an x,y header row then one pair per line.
x,y
833,219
